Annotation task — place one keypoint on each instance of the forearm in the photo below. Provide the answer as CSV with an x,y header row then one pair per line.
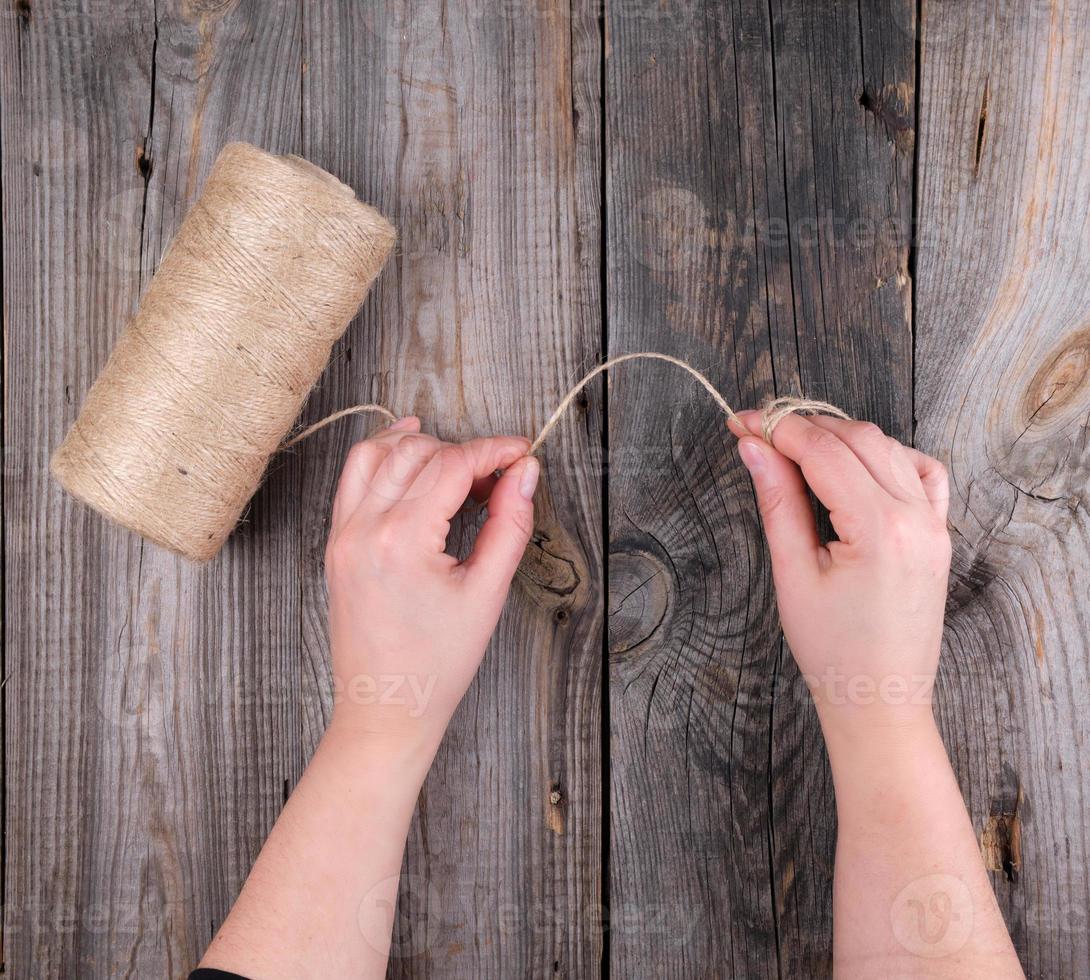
x,y
911,896
320,898
408,625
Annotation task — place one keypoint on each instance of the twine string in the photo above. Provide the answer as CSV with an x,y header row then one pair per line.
x,y
352,410
771,415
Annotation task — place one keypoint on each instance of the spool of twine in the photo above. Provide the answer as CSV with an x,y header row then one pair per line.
x,y
267,270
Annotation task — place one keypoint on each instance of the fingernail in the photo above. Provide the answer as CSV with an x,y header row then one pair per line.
x,y
752,455
531,469
404,423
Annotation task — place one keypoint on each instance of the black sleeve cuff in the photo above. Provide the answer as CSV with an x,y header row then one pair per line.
x,y
206,974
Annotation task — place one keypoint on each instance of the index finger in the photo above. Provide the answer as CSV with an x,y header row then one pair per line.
x,y
441,487
833,472
360,465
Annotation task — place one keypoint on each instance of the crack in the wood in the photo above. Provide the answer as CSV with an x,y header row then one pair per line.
x,y
981,127
605,731
143,161
4,591
620,604
887,103
1063,498
913,223
782,150
302,77
1033,417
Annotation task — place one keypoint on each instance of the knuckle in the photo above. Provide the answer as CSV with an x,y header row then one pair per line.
x,y
453,460
909,533
937,473
416,446
523,523
771,501
900,525
868,431
359,453
386,543
821,442
340,556
477,450
392,531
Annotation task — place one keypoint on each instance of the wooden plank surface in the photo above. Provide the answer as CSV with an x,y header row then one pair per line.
x,y
156,716
477,134
758,168
150,704
760,188
1003,396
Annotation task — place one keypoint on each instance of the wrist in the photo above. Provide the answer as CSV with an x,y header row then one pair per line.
x,y
862,706
883,772
853,725
399,759
881,758
859,732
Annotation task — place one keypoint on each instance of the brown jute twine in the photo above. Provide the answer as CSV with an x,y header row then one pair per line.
x,y
265,273
771,415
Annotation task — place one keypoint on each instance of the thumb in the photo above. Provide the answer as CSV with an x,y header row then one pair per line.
x,y
786,512
504,536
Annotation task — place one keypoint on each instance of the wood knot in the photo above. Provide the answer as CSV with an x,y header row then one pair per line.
x,y
1059,389
552,569
1001,845
1001,838
892,106
143,163
1042,452
639,595
554,817
971,575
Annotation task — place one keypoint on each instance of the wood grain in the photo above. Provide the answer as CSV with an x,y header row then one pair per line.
x,y
476,133
157,716
760,172
149,730
1003,397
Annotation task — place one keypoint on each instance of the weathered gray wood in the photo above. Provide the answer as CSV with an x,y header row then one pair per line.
x,y
158,714
1003,396
150,705
760,162
475,131
760,183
